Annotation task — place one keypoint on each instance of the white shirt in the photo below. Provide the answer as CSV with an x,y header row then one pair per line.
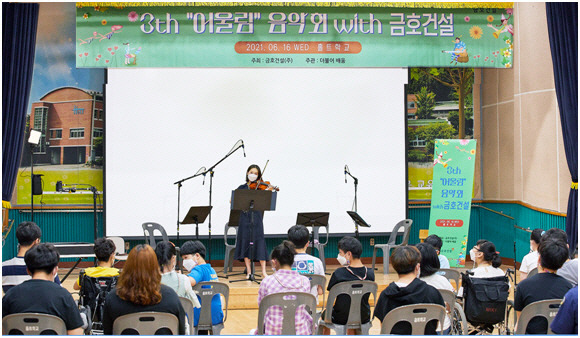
x,y
308,264
443,262
487,271
529,262
440,282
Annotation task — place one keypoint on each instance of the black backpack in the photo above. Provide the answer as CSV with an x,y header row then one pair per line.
x,y
485,299
93,292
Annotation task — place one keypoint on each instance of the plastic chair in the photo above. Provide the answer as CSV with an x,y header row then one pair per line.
x,y
532,272
356,290
120,248
418,315
452,276
458,320
543,308
230,249
33,324
406,225
206,295
318,280
317,245
289,302
146,324
188,308
148,232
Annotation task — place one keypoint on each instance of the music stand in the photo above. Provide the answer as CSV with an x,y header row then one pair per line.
x,y
253,200
312,219
195,215
358,220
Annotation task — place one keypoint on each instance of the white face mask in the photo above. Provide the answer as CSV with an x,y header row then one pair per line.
x,y
189,264
342,260
531,248
472,254
252,177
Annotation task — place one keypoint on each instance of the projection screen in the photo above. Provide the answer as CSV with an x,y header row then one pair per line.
x,y
162,125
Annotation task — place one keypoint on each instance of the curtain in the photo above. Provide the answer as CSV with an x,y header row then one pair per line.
x,y
19,21
563,34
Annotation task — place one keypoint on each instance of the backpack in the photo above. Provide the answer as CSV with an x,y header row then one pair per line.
x,y
93,292
485,299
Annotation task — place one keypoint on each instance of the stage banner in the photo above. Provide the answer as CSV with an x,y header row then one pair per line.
x,y
294,35
453,169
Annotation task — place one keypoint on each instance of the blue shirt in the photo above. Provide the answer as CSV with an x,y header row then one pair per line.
x,y
566,321
205,273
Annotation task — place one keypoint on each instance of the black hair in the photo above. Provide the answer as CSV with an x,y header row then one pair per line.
x,y
429,260
43,257
253,166
299,235
405,259
104,248
536,235
284,253
481,241
164,252
351,244
489,253
553,253
458,38
435,241
556,234
193,247
27,233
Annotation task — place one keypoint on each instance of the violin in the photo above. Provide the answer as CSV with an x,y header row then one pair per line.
x,y
261,184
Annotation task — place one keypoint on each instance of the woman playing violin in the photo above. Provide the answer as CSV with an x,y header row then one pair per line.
x,y
253,180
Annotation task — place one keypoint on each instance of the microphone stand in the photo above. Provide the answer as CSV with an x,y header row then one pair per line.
x,y
211,172
355,201
200,171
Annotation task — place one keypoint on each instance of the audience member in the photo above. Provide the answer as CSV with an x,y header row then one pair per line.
x,y
139,289
104,249
428,274
407,290
566,321
193,255
570,269
530,261
14,270
284,280
487,260
167,259
437,243
303,262
40,294
349,251
546,284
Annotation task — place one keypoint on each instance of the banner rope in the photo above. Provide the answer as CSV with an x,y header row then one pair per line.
x,y
302,4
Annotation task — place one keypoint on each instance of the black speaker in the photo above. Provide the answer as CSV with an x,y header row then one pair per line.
x,y
37,185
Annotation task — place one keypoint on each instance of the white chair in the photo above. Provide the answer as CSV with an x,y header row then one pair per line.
x,y
406,225
33,324
120,248
543,308
418,315
146,324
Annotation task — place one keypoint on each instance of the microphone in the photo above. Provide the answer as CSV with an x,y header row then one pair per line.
x,y
244,148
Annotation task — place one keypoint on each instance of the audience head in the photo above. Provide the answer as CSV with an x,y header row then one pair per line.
x,y
435,241
406,259
166,253
42,258
28,233
140,280
283,255
484,251
350,249
535,238
193,254
104,249
556,234
429,260
299,235
553,253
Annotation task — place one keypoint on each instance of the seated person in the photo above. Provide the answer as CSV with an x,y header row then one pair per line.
x,y
407,290
105,251
139,289
14,270
40,294
486,259
193,255
349,251
566,321
303,262
166,257
546,284
428,272
530,261
570,269
283,280
437,243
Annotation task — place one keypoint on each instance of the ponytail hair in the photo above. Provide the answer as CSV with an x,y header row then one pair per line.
x,y
536,235
284,253
164,252
490,254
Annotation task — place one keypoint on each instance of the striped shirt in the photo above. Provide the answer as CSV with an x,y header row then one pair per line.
x,y
14,273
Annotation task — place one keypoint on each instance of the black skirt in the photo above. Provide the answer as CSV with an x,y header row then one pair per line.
x,y
244,239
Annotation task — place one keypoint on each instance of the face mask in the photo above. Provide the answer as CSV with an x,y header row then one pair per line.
x,y
472,254
252,177
342,260
531,248
189,264
419,274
